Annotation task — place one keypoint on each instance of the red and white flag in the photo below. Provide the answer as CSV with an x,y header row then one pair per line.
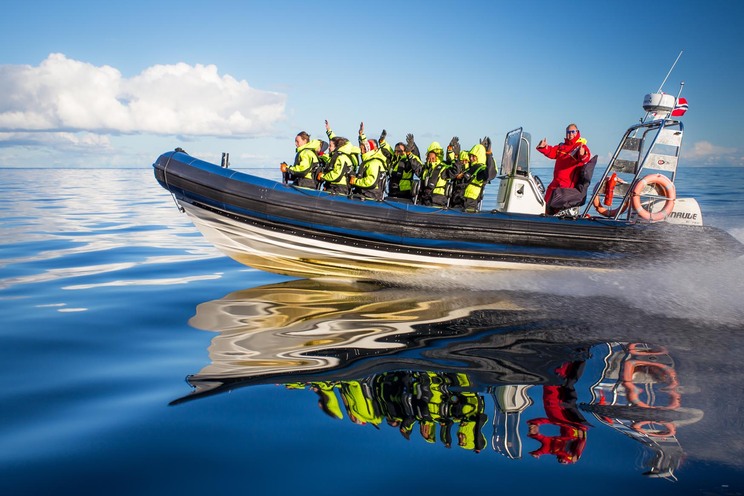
x,y
680,108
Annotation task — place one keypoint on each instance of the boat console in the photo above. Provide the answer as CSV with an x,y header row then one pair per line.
x,y
519,190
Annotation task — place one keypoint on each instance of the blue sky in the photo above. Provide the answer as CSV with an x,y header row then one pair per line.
x,y
114,84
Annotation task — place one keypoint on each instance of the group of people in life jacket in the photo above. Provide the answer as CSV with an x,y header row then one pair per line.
x,y
455,179
374,169
449,402
403,399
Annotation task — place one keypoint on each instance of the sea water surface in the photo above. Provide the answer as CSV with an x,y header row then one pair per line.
x,y
137,359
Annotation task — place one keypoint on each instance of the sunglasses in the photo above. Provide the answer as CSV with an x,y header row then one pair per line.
x,y
573,131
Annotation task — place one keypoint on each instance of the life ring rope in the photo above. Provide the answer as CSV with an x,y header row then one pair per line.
x,y
664,186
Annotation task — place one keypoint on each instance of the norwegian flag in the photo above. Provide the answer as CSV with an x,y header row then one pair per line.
x,y
680,108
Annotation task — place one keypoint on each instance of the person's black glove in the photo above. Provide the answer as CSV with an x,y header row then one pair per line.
x,y
382,136
455,146
410,144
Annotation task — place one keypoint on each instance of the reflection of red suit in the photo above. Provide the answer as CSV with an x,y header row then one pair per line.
x,y
567,446
567,163
561,411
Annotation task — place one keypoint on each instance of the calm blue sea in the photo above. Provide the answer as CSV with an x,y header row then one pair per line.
x,y
137,359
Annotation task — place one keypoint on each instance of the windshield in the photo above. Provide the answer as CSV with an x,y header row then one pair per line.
x,y
516,156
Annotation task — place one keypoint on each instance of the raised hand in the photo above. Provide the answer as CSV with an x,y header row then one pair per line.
x,y
454,145
410,144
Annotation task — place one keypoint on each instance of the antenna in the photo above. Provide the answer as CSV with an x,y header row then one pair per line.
x,y
670,71
643,119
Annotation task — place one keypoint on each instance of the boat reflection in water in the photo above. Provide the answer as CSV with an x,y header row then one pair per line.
x,y
429,364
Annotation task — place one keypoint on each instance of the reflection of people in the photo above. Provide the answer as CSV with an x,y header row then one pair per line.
x,y
327,400
470,433
567,446
360,403
427,428
561,410
403,399
569,156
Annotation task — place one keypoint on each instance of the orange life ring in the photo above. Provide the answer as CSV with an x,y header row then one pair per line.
x,y
664,186
665,372
609,192
602,210
635,349
669,428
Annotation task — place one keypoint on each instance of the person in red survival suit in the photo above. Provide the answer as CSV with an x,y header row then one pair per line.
x,y
569,156
561,411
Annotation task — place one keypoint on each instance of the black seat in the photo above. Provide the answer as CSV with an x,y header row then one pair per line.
x,y
564,198
415,187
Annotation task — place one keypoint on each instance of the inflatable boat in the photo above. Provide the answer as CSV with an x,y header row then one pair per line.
x,y
632,216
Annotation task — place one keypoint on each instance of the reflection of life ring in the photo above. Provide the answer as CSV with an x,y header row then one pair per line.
x,y
670,428
665,372
609,192
635,349
664,186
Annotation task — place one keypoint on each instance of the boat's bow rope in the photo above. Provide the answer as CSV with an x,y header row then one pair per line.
x,y
165,176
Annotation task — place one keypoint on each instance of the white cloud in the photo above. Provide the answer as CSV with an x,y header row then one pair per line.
x,y
65,95
61,140
706,153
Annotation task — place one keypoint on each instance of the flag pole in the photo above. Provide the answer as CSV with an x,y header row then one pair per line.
x,y
677,102
681,86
